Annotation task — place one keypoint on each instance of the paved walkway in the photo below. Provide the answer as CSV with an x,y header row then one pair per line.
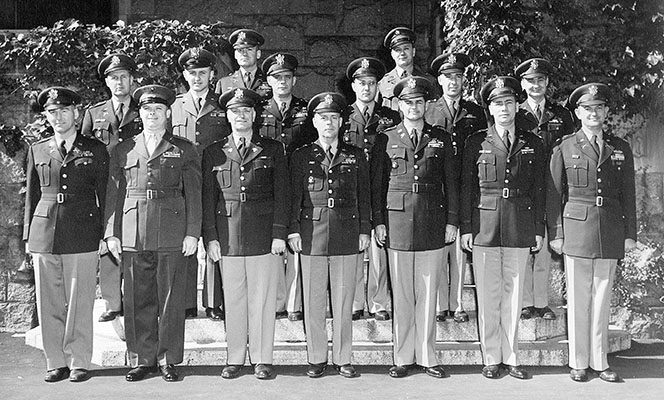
x,y
22,369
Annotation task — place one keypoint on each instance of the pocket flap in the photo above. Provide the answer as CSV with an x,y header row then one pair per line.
x,y
130,204
42,209
488,203
576,211
101,125
399,152
487,159
313,214
131,164
395,201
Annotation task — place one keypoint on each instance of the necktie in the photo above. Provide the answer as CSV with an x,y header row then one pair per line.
x,y
538,112
63,149
151,143
242,147
247,79
454,108
282,109
330,154
596,146
120,112
413,137
404,74
199,102
506,138
366,114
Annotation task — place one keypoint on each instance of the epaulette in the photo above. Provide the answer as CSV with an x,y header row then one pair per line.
x,y
568,136
181,138
46,139
179,96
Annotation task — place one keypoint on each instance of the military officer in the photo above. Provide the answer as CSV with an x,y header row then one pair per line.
x,y
592,221
550,122
502,221
113,121
246,176
247,43
64,205
459,118
330,226
366,120
414,215
196,115
401,42
153,224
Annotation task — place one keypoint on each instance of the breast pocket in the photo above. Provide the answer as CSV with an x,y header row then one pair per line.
x,y
398,160
102,131
348,175
44,171
263,170
223,175
577,172
83,162
433,162
486,168
315,180
180,127
268,126
131,173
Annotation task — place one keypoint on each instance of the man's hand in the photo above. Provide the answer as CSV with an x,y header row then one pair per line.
x,y
539,242
450,233
214,250
103,248
295,242
365,240
278,246
189,245
557,245
630,245
467,241
380,235
114,247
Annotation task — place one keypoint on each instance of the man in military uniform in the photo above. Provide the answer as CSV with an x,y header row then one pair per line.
x,y
153,224
246,176
550,122
459,118
366,120
591,212
64,206
415,200
196,115
401,42
502,221
330,226
284,118
113,121
246,43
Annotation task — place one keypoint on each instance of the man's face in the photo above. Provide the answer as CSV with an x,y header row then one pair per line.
x,y
413,109
154,116
452,83
198,78
61,118
241,118
535,86
365,88
119,82
403,55
327,124
247,57
592,115
282,83
503,110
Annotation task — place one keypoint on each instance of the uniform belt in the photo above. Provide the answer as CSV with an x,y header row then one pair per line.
x,y
599,201
505,193
151,194
416,187
243,197
332,203
62,197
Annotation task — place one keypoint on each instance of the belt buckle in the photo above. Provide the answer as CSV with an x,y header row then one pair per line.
x,y
60,198
149,194
506,193
599,201
243,197
330,202
416,187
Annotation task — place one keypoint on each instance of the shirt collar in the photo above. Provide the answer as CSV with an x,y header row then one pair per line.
x,y
116,104
236,139
400,70
196,96
69,141
533,105
333,146
253,71
370,107
589,134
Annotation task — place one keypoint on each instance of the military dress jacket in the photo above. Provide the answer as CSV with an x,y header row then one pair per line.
x,y
101,122
330,205
246,200
388,82
293,129
363,133
64,203
556,121
235,80
201,128
591,200
502,191
469,119
154,201
420,194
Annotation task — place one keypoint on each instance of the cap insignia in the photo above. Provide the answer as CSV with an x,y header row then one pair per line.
x,y
500,83
365,64
242,36
195,52
593,90
452,59
238,94
412,83
534,64
328,99
280,59
115,60
53,94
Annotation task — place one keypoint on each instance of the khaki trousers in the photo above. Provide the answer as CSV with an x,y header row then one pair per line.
x,y
450,290
110,282
289,286
536,284
377,296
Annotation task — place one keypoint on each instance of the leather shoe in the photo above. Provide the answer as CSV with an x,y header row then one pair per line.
x,y
231,371
138,373
399,371
214,313
460,316
56,374
110,315
347,371
609,375
357,314
168,373
191,312
281,314
491,371
527,312
546,313
263,371
518,372
295,316
436,371
316,370
78,375
578,375
442,316
381,315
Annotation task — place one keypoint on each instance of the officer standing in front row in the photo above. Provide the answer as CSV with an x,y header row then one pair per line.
x,y
153,224
64,206
591,211
330,226
502,221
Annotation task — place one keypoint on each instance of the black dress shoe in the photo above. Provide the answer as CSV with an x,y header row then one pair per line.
x,y
56,374
399,371
139,373
442,316
357,314
527,312
436,371
461,316
214,313
578,375
168,373
491,371
316,370
263,371
381,315
608,375
191,312
281,314
295,316
347,371
79,375
546,313
110,315
231,371
518,372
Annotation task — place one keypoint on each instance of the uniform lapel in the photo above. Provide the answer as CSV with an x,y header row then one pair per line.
x,y
461,112
319,154
583,144
208,107
188,104
516,147
403,135
53,150
607,150
140,146
495,140
254,151
162,146
273,108
231,149
131,114
425,138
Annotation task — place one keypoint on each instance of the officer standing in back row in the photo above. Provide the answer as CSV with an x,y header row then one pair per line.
x,y
247,43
